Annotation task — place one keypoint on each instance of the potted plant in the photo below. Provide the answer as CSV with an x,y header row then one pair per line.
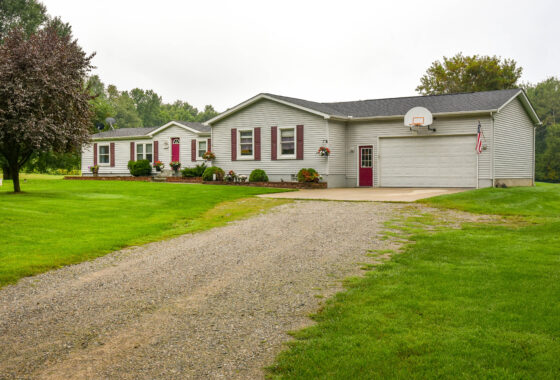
x,y
231,176
94,169
209,156
175,165
324,151
158,165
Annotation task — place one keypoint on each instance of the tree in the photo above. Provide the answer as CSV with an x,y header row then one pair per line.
x,y
208,113
26,14
469,74
148,106
548,162
44,104
545,97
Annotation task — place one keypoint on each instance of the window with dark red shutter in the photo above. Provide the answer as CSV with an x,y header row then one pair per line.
x,y
234,144
257,144
273,143
112,154
156,151
299,141
193,150
94,154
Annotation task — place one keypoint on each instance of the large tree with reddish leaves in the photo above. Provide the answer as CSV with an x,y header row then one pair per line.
x,y
44,105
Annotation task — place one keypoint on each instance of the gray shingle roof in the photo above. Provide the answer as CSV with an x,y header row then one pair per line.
x,y
144,131
462,102
195,125
124,132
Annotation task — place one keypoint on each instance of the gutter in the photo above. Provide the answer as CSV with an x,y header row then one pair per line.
x,y
391,117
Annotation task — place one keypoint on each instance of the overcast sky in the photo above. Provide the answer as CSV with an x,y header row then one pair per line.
x,y
223,52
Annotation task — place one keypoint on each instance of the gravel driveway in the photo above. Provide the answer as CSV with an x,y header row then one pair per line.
x,y
216,304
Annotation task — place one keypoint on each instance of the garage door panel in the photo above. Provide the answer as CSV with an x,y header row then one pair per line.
x,y
446,161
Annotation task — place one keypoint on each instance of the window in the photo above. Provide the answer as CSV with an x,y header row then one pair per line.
x,y
144,152
287,142
367,156
104,154
201,147
246,143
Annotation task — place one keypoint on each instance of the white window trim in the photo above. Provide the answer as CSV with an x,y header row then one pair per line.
x,y
144,150
197,156
239,156
279,155
99,155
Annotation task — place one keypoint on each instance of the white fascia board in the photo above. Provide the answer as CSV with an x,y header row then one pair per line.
x,y
171,124
258,97
120,138
391,117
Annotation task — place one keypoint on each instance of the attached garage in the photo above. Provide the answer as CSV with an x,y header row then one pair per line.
x,y
428,161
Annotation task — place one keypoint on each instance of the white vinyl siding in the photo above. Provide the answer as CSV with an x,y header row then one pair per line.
x,y
266,114
368,133
427,161
122,151
514,143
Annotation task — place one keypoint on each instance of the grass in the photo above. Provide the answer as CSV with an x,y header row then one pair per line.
x,y
478,302
56,222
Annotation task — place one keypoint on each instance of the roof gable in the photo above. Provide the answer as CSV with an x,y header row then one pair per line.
x,y
194,127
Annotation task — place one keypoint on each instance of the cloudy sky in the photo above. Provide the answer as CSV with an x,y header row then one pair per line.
x,y
223,52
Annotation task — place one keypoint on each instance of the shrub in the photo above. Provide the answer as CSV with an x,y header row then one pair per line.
x,y
208,174
258,175
140,168
197,171
308,175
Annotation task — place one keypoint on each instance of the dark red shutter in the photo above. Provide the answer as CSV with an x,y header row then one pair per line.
x,y
273,143
132,151
299,138
156,151
193,150
209,145
234,144
112,152
258,144
94,154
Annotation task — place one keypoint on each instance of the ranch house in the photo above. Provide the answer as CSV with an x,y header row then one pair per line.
x,y
472,140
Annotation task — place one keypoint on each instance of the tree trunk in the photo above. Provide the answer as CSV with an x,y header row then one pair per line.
x,y
15,178
6,171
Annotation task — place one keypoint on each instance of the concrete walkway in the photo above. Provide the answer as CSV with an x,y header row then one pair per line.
x,y
384,194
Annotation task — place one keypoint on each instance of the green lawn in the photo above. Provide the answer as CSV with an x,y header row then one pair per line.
x,y
57,222
479,302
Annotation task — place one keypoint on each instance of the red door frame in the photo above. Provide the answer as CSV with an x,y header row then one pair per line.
x,y
365,174
175,153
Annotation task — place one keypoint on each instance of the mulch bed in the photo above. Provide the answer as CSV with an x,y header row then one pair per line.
x,y
285,185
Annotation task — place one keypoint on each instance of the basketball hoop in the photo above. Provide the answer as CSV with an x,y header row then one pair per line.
x,y
419,119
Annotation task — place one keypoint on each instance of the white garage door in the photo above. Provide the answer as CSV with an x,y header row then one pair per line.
x,y
443,161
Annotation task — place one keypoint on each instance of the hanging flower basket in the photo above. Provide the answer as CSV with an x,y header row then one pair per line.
x,y
209,156
324,151
175,165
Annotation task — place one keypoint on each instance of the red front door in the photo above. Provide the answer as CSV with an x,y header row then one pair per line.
x,y
175,144
365,171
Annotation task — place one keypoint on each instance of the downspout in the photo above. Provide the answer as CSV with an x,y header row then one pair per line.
x,y
493,148
534,150
327,130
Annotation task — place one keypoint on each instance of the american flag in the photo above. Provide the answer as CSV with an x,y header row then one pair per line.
x,y
479,139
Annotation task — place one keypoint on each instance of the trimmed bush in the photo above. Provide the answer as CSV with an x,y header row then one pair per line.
x,y
308,175
258,175
208,174
197,171
140,168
